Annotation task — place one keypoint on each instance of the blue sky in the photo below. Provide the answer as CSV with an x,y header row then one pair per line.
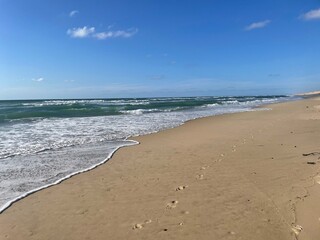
x,y
141,48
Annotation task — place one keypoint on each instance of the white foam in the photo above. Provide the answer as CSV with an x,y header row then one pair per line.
x,y
210,105
9,203
138,111
87,101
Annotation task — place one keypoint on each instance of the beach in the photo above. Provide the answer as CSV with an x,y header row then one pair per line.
x,y
248,175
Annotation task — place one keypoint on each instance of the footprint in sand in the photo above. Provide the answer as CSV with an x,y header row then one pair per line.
x,y
200,177
140,225
297,229
137,226
172,204
181,188
317,179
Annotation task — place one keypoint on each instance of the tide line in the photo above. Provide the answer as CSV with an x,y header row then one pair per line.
x,y
9,203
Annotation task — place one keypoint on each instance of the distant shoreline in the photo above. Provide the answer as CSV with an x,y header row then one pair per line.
x,y
309,94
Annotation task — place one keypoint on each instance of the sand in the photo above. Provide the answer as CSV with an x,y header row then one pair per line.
x,y
235,176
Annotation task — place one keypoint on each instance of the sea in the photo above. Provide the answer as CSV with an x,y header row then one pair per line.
x,y
43,142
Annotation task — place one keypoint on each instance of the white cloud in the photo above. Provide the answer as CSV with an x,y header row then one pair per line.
x,y
311,15
73,13
40,79
81,32
116,34
90,32
103,35
257,25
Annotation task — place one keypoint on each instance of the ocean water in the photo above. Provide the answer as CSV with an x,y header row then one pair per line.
x,y
45,141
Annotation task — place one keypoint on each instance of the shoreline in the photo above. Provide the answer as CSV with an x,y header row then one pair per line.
x,y
8,204
178,144
129,139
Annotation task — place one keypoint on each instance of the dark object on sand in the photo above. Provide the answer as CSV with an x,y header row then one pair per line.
x,y
311,162
313,154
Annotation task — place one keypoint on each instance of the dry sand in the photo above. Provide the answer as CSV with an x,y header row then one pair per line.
x,y
236,176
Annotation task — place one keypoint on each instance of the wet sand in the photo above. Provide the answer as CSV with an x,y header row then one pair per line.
x,y
234,176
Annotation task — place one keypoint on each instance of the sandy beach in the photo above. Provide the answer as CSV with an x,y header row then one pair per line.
x,y
251,175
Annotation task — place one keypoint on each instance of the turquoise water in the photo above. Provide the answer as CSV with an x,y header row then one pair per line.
x,y
32,109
